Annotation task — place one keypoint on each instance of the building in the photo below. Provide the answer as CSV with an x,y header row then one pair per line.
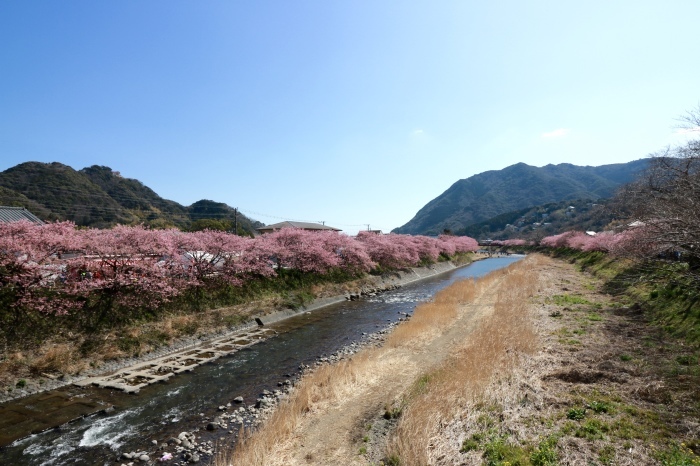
x,y
301,225
15,214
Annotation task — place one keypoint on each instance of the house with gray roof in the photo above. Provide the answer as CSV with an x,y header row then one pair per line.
x,y
302,225
15,214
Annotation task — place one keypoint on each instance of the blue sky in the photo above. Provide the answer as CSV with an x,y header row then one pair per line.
x,y
349,112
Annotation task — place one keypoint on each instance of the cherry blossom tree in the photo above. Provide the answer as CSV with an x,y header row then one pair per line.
x,y
557,241
301,250
388,251
31,273
398,251
121,272
109,276
465,244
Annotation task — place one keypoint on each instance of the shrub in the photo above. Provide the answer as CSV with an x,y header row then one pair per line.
x,y
576,414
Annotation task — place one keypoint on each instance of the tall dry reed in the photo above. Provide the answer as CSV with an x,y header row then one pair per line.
x,y
432,317
325,384
493,347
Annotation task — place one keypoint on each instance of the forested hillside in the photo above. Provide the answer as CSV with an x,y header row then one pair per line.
x,y
537,222
98,196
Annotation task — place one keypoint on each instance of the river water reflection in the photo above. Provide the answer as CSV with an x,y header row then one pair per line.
x,y
162,410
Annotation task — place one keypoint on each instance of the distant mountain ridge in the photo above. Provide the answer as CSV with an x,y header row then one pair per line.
x,y
520,186
98,196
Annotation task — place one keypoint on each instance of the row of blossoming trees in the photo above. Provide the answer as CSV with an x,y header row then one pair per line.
x,y
637,242
605,241
57,269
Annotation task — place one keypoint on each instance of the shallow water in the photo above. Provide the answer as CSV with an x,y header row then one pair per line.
x,y
163,410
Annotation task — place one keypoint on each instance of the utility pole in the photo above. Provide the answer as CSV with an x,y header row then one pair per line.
x,y
367,226
235,220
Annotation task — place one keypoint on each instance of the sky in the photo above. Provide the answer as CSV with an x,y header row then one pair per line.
x,y
353,113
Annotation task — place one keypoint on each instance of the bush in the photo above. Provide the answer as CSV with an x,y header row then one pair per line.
x,y
576,414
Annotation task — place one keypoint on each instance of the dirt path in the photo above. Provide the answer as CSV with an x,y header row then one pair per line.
x,y
332,433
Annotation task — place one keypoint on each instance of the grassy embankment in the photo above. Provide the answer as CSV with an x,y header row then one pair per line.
x,y
617,382
668,297
50,346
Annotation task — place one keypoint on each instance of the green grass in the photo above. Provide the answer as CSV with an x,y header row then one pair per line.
x,y
606,455
600,407
546,453
570,341
677,455
498,452
592,429
670,295
687,360
470,444
568,300
576,414
392,461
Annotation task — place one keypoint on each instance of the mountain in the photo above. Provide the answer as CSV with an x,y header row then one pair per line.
x,y
520,186
548,219
99,197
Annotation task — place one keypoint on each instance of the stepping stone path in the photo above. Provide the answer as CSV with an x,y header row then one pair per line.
x,y
134,378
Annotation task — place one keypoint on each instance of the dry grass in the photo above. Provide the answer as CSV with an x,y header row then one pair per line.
x,y
432,317
492,348
51,358
61,358
325,384
12,363
471,366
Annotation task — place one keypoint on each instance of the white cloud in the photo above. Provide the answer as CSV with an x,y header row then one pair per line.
x,y
418,132
557,133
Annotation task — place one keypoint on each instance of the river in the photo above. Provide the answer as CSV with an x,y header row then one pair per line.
x,y
183,403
